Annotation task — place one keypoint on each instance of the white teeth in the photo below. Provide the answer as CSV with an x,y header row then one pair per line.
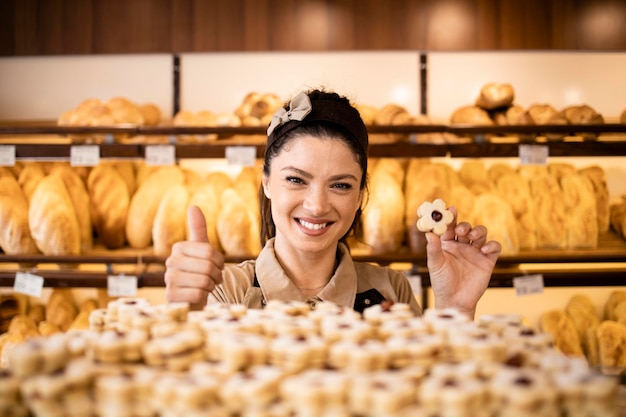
x,y
313,226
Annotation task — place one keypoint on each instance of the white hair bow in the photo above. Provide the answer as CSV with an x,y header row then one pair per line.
x,y
299,108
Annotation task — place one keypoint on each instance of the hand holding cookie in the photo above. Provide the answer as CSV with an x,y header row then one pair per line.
x,y
460,259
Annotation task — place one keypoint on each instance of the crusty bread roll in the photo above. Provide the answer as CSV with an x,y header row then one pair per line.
x,y
515,189
151,114
81,202
582,114
207,198
237,228
560,326
61,308
471,115
495,95
496,214
170,220
549,211
581,311
391,114
597,177
52,218
15,237
383,215
110,200
145,203
581,215
611,342
30,176
616,297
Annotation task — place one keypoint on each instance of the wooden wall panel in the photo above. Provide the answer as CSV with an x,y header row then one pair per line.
x,y
45,27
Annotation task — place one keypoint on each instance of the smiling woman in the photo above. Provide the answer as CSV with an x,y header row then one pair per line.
x,y
314,180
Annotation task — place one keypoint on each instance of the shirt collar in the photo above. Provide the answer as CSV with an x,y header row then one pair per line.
x,y
276,285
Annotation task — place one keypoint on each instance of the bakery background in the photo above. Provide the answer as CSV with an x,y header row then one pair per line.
x,y
43,87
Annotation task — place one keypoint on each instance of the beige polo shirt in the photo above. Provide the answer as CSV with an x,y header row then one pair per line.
x,y
350,279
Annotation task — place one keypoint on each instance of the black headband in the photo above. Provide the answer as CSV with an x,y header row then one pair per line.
x,y
303,110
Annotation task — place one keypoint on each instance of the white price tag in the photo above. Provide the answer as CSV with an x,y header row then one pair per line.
x,y
84,155
160,155
533,154
29,284
528,284
122,285
241,155
7,155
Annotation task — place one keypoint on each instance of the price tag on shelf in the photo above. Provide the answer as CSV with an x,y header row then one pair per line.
x,y
533,154
7,155
29,284
160,155
241,155
122,285
84,155
528,284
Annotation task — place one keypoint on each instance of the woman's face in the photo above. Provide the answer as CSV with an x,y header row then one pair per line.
x,y
314,191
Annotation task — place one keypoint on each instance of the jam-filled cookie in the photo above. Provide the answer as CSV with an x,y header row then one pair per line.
x,y
434,217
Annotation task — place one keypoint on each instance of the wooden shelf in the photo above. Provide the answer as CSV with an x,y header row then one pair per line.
x,y
54,142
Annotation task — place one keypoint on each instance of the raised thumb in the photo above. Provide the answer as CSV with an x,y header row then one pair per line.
x,y
196,224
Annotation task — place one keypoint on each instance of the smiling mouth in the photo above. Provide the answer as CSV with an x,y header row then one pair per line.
x,y
312,226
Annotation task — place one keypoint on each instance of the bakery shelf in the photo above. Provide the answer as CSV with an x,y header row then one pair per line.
x,y
52,142
149,267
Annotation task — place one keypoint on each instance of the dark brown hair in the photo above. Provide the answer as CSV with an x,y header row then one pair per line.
x,y
352,132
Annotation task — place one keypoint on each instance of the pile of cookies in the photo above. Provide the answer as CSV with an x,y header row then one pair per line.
x,y
140,359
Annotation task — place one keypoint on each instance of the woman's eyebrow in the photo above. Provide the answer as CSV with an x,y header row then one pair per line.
x,y
306,174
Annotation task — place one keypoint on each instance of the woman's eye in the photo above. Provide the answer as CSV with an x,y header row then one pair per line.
x,y
343,186
294,180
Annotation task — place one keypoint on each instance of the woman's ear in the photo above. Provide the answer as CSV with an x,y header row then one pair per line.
x,y
266,186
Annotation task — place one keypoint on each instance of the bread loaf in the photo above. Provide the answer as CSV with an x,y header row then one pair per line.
x,y
549,211
597,177
52,218
474,175
15,237
30,176
170,220
583,315
581,215
471,115
611,342
80,200
496,214
109,200
383,215
515,189
495,95
237,229
145,203
560,326
391,114
61,308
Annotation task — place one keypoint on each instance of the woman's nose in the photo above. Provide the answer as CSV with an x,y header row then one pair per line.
x,y
316,200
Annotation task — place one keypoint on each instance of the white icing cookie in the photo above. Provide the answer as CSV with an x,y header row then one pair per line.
x,y
434,217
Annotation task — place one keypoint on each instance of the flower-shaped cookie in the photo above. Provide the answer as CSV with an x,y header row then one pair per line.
x,y
433,217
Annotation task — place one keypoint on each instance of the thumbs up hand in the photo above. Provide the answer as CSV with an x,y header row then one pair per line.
x,y
194,267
